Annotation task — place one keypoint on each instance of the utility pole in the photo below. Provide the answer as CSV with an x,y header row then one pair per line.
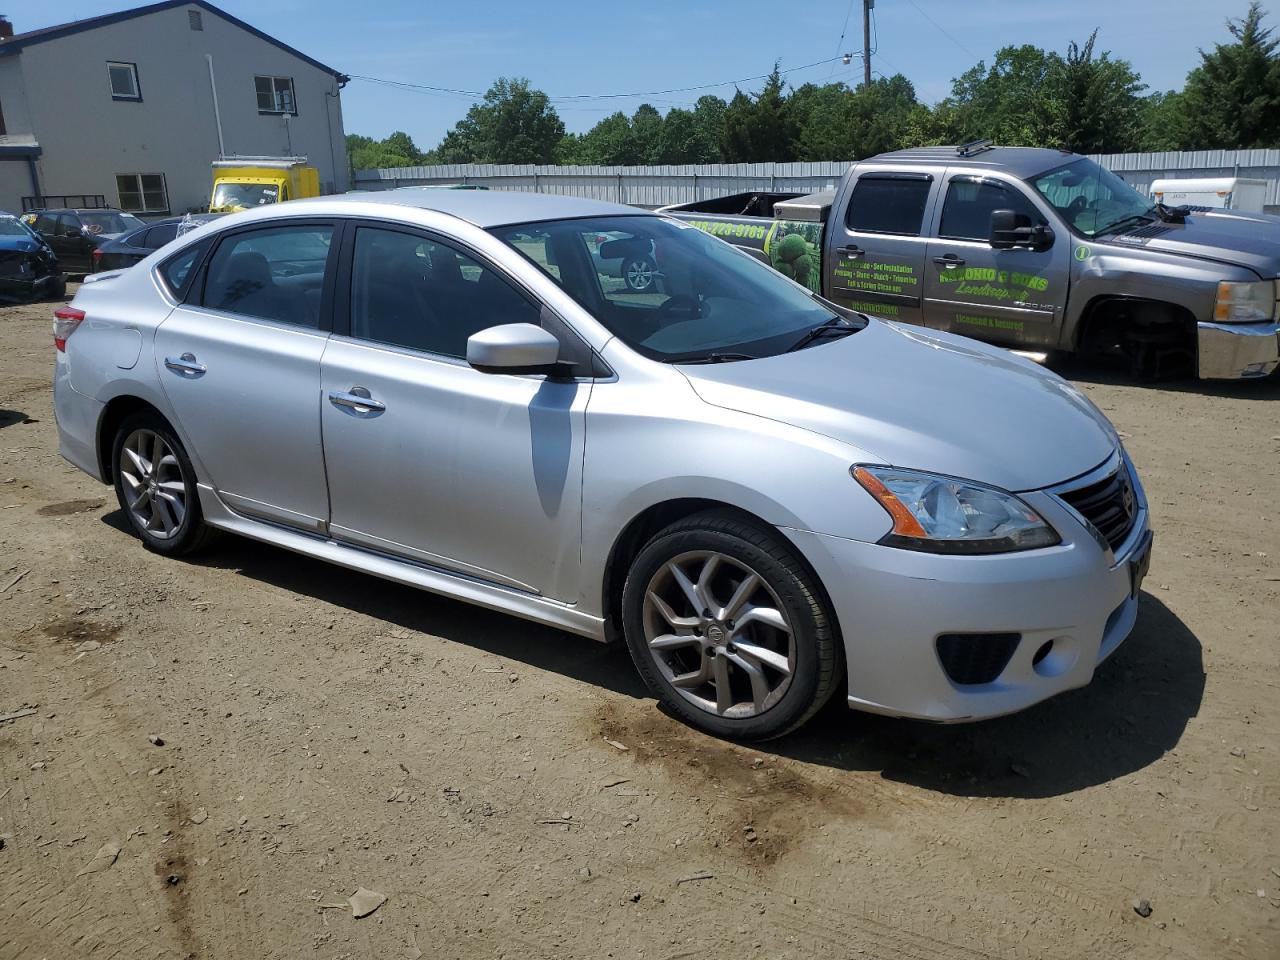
x,y
866,40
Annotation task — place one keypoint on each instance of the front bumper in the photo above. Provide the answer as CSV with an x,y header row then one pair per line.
x,y
29,288
893,604
1235,351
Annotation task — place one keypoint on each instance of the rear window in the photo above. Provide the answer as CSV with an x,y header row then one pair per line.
x,y
888,204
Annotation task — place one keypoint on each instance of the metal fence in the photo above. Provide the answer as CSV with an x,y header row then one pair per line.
x,y
658,185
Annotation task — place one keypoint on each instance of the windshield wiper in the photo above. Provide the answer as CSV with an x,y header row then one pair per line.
x,y
1143,218
718,358
833,326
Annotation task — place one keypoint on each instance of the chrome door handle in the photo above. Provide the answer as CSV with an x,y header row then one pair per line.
x,y
185,364
852,251
950,260
357,398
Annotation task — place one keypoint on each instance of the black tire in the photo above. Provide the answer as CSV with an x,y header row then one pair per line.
x,y
646,268
58,289
191,533
818,659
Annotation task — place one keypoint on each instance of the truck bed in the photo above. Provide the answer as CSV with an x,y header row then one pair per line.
x,y
755,203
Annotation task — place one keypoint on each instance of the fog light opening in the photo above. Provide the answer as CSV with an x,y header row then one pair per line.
x,y
1046,648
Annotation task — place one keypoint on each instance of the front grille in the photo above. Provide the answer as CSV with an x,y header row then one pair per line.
x,y
971,658
1110,505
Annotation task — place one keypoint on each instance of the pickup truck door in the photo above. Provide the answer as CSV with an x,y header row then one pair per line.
x,y
427,458
877,239
1014,297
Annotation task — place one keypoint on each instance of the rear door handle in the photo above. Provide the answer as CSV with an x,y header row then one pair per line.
x,y
949,260
357,399
852,251
185,364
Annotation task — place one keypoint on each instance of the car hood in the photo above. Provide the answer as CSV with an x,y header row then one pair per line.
x,y
923,399
20,244
1229,236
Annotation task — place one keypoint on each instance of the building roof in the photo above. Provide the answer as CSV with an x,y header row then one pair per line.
x,y
483,208
1021,162
18,41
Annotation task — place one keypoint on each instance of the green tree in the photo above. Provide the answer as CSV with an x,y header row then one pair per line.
x,y
1232,99
1164,122
837,123
610,142
397,150
759,128
513,124
1094,101
1006,102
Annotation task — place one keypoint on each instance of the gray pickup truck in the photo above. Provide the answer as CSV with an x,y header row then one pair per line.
x,y
1037,250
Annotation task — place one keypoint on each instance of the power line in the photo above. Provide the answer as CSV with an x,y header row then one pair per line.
x,y
943,30
566,98
843,30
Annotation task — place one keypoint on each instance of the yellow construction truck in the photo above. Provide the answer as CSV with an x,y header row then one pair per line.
x,y
241,183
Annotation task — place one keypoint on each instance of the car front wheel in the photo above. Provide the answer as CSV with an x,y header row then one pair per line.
x,y
728,628
156,486
638,273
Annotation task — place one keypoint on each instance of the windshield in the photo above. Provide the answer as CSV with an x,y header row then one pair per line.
x,y
669,290
97,223
1091,198
12,227
245,195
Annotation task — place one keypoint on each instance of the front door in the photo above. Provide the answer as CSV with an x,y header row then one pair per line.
x,y
428,458
1014,297
240,364
73,249
874,260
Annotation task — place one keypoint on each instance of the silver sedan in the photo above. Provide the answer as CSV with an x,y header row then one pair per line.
x,y
768,497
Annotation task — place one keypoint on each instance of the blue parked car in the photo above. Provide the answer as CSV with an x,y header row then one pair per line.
x,y
28,266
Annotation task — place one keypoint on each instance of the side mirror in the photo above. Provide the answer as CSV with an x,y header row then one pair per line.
x,y
1010,229
514,348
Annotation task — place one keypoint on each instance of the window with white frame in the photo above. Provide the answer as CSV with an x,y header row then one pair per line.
x,y
142,192
275,95
124,80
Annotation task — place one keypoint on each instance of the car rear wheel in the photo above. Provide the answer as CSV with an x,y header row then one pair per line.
x,y
728,628
156,486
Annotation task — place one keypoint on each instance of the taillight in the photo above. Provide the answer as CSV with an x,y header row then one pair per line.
x,y
97,258
65,321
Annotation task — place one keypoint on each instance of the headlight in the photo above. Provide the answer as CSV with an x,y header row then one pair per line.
x,y
944,515
1245,302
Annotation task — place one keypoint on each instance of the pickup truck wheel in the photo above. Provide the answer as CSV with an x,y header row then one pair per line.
x,y
156,486
728,629
638,273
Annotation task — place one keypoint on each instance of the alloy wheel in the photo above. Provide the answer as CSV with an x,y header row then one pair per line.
x,y
639,274
719,634
154,489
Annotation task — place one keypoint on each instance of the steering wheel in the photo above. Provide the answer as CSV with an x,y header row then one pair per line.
x,y
1077,206
680,302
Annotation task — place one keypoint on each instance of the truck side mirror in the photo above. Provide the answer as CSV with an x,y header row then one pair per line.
x,y
1011,229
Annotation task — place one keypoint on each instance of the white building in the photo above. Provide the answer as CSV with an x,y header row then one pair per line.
x,y
135,106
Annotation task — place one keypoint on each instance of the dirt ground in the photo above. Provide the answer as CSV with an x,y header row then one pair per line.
x,y
513,792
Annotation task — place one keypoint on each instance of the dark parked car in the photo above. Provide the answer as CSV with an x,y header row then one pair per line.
x,y
28,267
137,245
75,234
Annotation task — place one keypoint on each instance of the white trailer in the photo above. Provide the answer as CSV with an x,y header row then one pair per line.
x,y
1224,193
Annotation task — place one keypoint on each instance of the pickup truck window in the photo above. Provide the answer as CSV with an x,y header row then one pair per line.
x,y
698,299
888,203
1091,198
966,213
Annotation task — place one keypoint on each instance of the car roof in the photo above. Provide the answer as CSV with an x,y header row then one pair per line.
x,y
80,210
1021,162
486,208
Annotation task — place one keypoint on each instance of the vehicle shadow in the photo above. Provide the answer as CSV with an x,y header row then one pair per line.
x,y
1100,370
1133,712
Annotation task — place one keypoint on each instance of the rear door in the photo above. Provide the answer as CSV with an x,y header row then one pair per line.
x,y
1013,297
240,364
874,259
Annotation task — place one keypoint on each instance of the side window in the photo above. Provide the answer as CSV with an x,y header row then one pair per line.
x,y
157,237
966,213
179,270
409,291
69,225
276,273
45,223
884,203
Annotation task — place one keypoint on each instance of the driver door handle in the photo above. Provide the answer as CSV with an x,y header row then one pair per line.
x,y
851,251
357,398
949,260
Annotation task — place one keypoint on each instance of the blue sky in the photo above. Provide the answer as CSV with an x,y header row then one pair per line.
x,y
576,47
